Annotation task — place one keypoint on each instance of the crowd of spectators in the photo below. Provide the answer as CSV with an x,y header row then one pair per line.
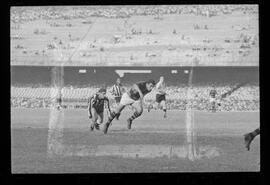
x,y
246,98
24,14
207,53
30,102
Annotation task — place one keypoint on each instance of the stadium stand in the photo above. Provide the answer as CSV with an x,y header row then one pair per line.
x,y
25,14
36,90
244,99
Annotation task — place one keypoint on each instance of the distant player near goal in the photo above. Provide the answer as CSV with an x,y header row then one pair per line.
x,y
59,99
96,108
132,97
117,92
160,102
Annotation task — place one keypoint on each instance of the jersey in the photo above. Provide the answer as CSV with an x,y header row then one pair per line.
x,y
134,94
98,103
117,90
213,93
160,88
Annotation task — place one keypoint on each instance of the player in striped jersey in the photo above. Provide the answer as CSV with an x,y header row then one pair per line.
x,y
96,108
117,91
132,97
160,97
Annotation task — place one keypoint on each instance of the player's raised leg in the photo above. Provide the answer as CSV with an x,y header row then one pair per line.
x,y
125,100
250,136
138,112
113,115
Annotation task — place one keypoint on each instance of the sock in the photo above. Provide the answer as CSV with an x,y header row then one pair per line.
x,y
117,116
255,132
134,116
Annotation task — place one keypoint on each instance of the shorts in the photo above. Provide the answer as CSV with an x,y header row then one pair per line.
x,y
160,98
98,110
97,115
118,99
126,100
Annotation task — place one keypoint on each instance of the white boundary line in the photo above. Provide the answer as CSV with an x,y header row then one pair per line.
x,y
137,151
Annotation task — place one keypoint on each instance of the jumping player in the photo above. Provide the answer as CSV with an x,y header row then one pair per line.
x,y
117,91
250,136
96,108
132,97
160,97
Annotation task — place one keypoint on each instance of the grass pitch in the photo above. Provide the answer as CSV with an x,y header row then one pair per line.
x,y
29,131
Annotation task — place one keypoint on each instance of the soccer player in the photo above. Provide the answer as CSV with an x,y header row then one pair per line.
x,y
117,91
96,108
250,136
132,97
160,97
213,94
59,100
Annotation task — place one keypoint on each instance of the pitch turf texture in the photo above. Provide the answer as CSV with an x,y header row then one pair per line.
x,y
224,130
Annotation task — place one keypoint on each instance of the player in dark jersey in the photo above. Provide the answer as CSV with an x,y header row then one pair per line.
x,y
213,94
59,100
96,108
250,136
117,92
134,97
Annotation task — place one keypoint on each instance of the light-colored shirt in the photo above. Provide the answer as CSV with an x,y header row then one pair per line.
x,y
160,88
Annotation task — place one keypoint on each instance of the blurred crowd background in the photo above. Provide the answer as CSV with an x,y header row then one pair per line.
x,y
153,36
24,14
42,95
246,98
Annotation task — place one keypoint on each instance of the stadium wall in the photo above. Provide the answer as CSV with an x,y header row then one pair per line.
x,y
40,75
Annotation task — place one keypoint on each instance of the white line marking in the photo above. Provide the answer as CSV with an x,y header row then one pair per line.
x,y
137,151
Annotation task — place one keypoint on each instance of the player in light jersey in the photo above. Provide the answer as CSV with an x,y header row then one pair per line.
x,y
160,102
134,97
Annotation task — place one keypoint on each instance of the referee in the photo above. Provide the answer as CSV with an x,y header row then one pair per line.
x,y
117,92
